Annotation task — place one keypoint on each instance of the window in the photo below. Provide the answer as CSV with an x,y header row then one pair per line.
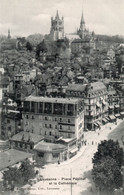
x,y
55,155
40,154
8,121
32,106
55,126
31,147
60,119
20,145
46,125
68,127
69,136
9,128
33,117
50,133
40,107
16,144
60,126
69,120
50,126
26,116
46,118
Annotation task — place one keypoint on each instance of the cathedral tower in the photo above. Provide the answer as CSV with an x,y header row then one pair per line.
x,y
82,30
57,28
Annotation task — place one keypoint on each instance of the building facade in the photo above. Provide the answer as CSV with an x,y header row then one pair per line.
x,y
54,117
95,102
96,105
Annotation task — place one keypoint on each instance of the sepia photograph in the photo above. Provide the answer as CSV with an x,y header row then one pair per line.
x,y
62,97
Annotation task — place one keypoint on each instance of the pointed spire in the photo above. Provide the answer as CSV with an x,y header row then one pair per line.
x,y
82,18
9,36
57,14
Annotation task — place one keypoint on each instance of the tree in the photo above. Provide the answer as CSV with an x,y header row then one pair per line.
x,y
27,171
18,176
107,175
35,39
109,148
29,46
11,178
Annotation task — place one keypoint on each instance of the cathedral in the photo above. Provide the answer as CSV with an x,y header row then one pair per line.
x,y
82,31
81,41
57,28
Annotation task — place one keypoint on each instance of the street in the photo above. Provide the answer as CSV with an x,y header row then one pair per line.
x,y
57,177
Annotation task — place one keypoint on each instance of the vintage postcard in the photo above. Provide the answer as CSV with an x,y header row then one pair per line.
x,y
61,97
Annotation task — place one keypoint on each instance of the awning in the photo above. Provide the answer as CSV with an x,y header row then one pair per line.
x,y
122,113
96,124
111,107
104,120
117,106
107,118
74,150
112,117
117,115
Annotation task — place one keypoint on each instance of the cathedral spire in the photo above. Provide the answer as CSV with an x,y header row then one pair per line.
x,y
57,14
9,36
82,18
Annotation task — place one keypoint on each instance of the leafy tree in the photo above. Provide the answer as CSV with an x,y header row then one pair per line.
x,y
111,149
27,171
29,46
11,178
107,175
35,39
18,177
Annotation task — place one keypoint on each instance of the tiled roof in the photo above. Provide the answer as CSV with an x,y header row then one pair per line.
x,y
98,86
49,147
11,157
76,87
27,137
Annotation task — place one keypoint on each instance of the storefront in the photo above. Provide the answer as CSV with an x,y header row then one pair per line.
x,y
49,153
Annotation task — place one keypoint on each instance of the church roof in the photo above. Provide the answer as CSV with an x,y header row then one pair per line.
x,y
72,36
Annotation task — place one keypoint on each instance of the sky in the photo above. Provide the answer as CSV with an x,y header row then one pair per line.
x,y
25,17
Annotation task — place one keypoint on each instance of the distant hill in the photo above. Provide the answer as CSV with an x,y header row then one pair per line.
x,y
112,39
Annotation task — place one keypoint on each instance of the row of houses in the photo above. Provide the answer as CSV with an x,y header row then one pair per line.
x,y
53,128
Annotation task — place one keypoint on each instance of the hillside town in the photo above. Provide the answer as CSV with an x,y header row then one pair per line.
x,y
59,98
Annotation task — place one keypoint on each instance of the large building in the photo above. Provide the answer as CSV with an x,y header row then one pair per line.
x,y
95,102
57,28
54,117
86,40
